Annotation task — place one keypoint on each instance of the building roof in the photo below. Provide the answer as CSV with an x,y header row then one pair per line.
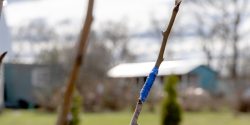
x,y
143,69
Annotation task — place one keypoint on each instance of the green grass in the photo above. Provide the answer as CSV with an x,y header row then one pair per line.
x,y
30,117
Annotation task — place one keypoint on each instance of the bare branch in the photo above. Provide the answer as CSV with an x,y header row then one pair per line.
x,y
178,2
2,56
157,64
62,118
1,6
167,33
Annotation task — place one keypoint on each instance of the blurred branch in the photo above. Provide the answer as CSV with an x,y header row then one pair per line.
x,y
1,6
62,118
150,80
2,56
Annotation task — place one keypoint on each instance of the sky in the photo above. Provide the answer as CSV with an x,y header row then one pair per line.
x,y
137,14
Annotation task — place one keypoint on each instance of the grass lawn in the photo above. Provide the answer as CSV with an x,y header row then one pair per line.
x,y
27,117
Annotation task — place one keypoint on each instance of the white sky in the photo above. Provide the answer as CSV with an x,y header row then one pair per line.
x,y
137,12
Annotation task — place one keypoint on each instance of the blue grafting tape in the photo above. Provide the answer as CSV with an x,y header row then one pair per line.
x,y
148,84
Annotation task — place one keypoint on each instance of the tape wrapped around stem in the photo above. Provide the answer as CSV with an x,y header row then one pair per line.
x,y
148,84
151,78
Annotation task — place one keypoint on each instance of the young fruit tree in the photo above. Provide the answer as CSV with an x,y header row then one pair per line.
x,y
151,78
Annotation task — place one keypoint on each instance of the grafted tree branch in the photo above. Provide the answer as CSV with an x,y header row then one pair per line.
x,y
158,62
62,118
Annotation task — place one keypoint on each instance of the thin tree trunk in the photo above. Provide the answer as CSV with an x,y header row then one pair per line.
x,y
63,114
236,24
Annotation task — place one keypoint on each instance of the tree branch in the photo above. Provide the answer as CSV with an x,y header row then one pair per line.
x,y
62,118
167,33
2,56
150,80
1,6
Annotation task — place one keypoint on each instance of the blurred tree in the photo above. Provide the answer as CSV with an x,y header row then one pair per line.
x,y
171,110
224,23
38,30
49,56
1,6
116,35
107,47
52,89
47,92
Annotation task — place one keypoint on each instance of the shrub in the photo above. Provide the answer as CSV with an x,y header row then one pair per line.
x,y
76,109
171,109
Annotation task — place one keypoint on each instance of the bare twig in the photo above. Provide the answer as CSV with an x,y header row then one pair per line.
x,y
62,118
167,33
2,56
149,82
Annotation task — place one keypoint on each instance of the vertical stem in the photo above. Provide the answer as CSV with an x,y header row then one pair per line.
x,y
166,35
160,58
62,118
137,112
